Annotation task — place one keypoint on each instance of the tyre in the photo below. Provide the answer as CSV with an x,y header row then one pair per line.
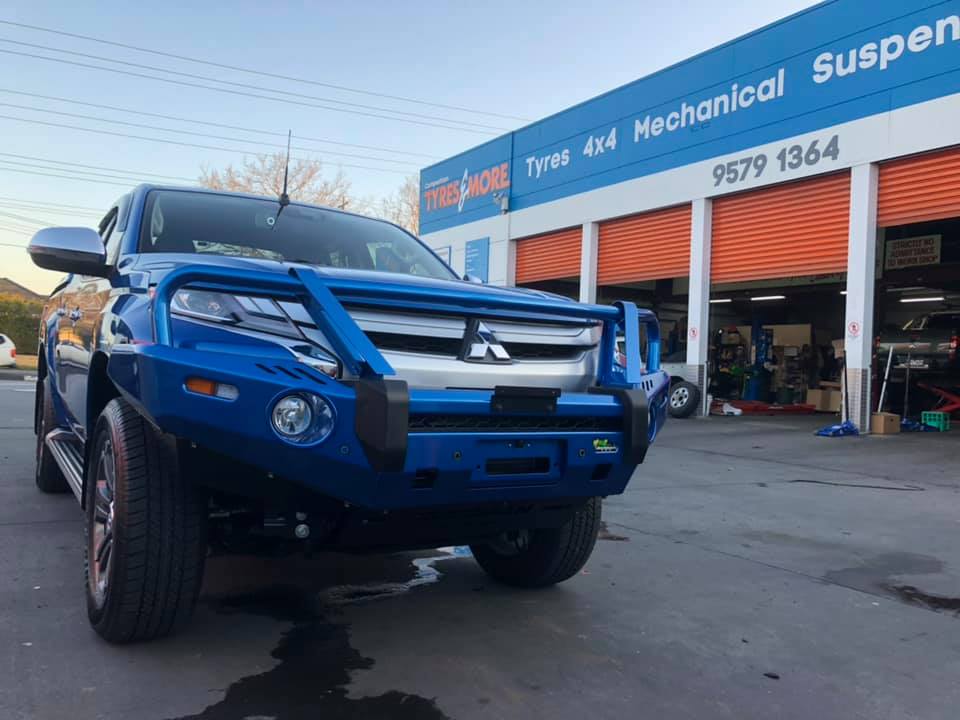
x,y
684,398
48,476
538,558
145,531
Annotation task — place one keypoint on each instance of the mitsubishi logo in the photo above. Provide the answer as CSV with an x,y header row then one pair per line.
x,y
480,345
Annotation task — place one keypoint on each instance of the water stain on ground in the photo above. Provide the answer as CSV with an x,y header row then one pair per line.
x,y
878,573
312,677
910,594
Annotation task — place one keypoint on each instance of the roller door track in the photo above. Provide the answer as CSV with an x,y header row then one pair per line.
x,y
919,188
552,256
799,228
649,246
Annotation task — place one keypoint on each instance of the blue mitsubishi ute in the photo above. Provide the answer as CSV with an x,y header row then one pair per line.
x,y
222,372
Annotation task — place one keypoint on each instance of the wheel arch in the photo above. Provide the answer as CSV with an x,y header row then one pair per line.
x,y
100,391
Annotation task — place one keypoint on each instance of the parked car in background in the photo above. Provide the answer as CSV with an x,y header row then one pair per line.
x,y
8,351
224,369
928,343
684,393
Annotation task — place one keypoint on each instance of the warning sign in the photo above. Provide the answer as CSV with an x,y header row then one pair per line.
x,y
910,252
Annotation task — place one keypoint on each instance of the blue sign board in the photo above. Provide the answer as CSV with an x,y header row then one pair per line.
x,y
477,261
838,61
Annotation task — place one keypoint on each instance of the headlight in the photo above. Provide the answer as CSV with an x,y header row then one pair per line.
x,y
263,316
207,305
302,418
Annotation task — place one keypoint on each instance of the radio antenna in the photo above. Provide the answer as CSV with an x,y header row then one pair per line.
x,y
284,198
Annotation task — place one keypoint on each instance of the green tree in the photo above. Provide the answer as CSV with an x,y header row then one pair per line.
x,y
20,320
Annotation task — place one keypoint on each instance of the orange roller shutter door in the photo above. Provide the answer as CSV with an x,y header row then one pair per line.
x,y
550,256
919,188
648,246
798,228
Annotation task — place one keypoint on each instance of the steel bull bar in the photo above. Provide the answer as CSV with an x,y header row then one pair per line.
x,y
383,401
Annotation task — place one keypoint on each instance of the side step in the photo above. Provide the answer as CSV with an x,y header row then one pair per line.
x,y
65,450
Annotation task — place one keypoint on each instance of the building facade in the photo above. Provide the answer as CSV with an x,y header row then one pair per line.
x,y
814,162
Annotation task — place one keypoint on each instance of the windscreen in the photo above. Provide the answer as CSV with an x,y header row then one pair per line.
x,y
204,223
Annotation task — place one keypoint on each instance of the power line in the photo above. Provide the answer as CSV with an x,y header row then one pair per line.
x,y
114,108
184,83
24,218
197,134
42,202
65,177
133,179
138,173
45,211
12,245
260,72
248,86
176,142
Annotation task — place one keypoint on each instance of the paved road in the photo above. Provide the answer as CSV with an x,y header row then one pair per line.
x,y
751,571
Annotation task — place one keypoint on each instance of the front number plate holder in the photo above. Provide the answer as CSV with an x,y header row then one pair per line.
x,y
524,400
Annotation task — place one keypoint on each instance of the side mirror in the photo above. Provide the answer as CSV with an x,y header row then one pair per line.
x,y
473,279
75,250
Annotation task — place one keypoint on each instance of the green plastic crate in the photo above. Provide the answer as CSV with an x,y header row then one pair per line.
x,y
939,420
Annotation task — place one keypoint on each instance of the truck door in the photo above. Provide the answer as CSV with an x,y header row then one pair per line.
x,y
83,301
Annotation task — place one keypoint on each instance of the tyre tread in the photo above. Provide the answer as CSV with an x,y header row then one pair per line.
x,y
159,518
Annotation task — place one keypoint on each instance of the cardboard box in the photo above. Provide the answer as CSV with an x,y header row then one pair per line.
x,y
824,400
884,423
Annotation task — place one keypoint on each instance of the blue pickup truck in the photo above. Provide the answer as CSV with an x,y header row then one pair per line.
x,y
221,371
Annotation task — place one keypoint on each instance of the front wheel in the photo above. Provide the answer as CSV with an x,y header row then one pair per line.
x,y
145,531
542,557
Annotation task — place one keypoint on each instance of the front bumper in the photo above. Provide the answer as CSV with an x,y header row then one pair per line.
x,y
393,447
457,450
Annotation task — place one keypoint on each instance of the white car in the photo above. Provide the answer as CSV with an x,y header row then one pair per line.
x,y
8,352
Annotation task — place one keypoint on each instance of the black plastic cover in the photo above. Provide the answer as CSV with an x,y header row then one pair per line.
x,y
382,418
636,419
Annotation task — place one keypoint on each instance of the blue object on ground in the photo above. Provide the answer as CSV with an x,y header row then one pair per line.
x,y
907,425
843,429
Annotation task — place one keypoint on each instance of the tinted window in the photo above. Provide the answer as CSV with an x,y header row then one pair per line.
x,y
3,339
203,223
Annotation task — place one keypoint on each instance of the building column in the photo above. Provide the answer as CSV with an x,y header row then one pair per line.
x,y
589,245
861,282
698,310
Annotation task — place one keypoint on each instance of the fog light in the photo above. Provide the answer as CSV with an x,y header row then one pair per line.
x,y
302,418
292,416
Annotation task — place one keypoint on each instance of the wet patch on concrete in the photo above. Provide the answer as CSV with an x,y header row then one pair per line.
x,y
911,595
315,658
605,534
878,573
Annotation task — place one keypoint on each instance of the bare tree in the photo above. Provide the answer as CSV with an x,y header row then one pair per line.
x,y
403,207
263,175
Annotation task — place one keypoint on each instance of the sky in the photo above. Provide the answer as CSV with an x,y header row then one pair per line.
x,y
501,63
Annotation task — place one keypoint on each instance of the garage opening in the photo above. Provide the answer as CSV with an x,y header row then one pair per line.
x,y
551,262
778,278
645,258
918,285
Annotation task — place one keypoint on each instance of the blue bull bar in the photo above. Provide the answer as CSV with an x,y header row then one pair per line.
x,y
382,400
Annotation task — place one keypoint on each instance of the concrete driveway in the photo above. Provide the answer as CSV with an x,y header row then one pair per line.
x,y
751,571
